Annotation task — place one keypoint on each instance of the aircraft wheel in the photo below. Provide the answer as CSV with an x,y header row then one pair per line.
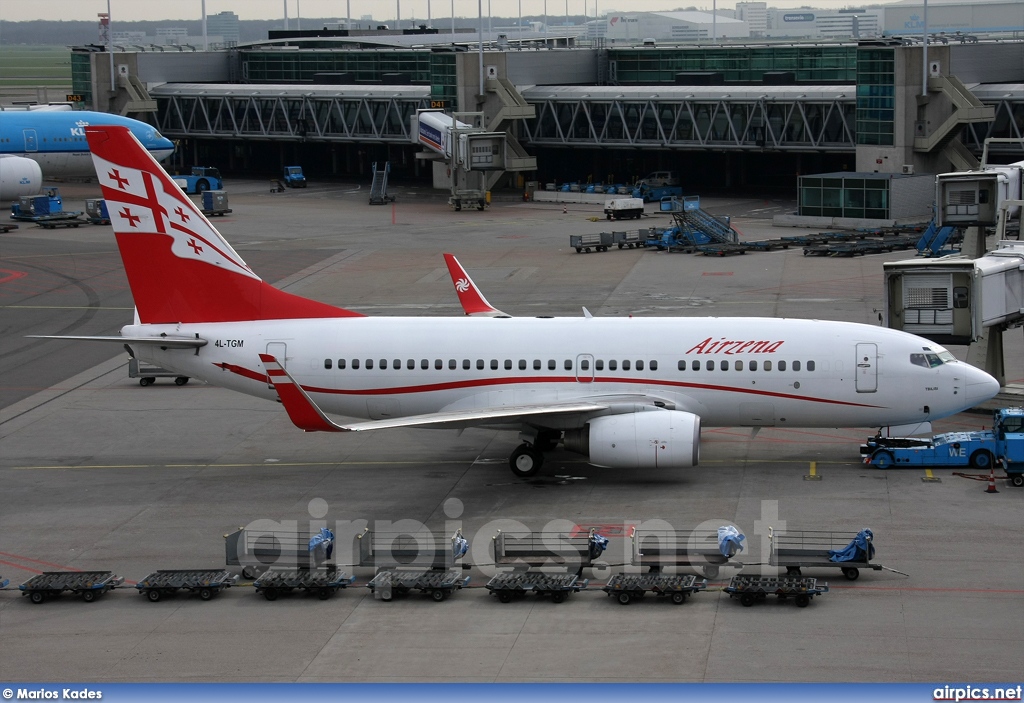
x,y
525,461
181,380
981,459
710,571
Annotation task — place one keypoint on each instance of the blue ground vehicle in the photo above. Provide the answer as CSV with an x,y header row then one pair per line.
x,y
656,193
201,179
1005,441
293,177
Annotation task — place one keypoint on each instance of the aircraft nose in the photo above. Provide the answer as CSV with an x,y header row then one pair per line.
x,y
980,386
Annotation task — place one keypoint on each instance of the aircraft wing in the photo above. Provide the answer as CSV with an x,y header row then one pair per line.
x,y
472,300
166,342
305,414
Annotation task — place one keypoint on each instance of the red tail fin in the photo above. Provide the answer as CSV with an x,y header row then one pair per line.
x,y
179,267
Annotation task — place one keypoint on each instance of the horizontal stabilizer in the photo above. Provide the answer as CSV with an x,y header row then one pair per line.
x,y
162,342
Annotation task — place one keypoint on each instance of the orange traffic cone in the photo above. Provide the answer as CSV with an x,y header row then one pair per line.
x,y
992,480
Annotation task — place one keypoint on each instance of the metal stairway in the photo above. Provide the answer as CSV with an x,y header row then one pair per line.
x,y
379,185
699,227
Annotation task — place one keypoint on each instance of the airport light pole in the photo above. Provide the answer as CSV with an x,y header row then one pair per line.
x,y
714,21
206,45
348,14
110,49
480,35
924,49
286,15
453,21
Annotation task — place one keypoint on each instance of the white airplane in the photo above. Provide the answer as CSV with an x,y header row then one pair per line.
x,y
624,392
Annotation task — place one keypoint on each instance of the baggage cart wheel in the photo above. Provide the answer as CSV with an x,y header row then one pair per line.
x,y
711,571
625,597
206,593
147,381
802,600
153,594
324,593
505,597
747,599
437,595
851,574
250,573
1017,480
89,596
792,571
270,593
678,597
386,595
181,380
557,597
37,597
579,250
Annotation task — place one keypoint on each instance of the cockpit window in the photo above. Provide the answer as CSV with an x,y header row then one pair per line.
x,y
928,361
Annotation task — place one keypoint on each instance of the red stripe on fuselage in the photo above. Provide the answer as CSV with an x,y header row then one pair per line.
x,y
485,382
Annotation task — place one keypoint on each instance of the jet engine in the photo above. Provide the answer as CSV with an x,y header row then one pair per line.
x,y
667,439
19,176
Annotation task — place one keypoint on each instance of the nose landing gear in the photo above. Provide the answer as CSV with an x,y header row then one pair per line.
x,y
525,461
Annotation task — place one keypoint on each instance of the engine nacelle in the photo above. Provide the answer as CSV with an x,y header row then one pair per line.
x,y
666,439
19,176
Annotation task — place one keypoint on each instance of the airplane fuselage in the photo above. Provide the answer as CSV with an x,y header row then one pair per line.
x,y
729,371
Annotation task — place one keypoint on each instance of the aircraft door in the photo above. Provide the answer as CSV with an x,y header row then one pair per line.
x,y
31,143
278,350
867,368
585,368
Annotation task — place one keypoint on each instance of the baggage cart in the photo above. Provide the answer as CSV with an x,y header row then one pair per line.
x,y
676,587
206,582
798,549
147,375
96,211
323,582
585,242
5,227
258,550
516,584
396,549
548,549
634,238
656,549
753,589
437,584
88,584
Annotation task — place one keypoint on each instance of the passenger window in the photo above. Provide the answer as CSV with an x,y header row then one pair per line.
x,y
522,364
599,365
796,365
355,363
810,366
613,365
767,365
738,365
452,364
536,365
425,364
568,364
508,364
639,364
752,366
341,364
696,365
384,364
369,363
681,365
466,364
480,364
654,365
782,366
494,364
625,364
410,364
438,364
328,363
396,364
551,364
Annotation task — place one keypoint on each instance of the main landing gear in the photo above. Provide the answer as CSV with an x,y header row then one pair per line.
x,y
528,458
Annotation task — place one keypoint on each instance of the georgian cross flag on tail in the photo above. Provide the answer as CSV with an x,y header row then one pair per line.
x,y
139,201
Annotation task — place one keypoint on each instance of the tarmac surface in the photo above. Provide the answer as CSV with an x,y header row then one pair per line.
x,y
99,473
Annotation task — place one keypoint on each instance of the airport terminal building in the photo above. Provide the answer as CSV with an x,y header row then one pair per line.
x,y
744,113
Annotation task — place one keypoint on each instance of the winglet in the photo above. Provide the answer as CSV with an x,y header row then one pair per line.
x,y
301,409
473,301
